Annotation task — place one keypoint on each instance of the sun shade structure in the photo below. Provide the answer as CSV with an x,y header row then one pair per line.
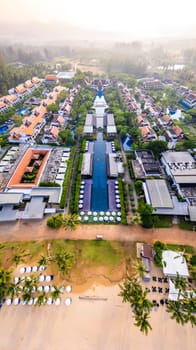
x,y
174,263
158,194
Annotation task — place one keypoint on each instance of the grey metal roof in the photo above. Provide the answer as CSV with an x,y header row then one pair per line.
x,y
159,194
178,157
87,164
34,209
186,179
54,193
192,213
10,198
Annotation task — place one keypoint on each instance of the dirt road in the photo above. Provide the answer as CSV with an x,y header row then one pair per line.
x,y
37,230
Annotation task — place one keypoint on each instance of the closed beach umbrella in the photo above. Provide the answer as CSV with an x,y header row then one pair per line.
x,y
68,301
68,289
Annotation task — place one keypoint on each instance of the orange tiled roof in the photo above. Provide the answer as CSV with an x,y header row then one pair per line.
x,y
35,80
177,130
145,131
50,77
54,131
2,104
20,89
166,118
139,119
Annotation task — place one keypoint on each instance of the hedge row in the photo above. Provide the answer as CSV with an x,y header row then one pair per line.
x,y
121,193
67,178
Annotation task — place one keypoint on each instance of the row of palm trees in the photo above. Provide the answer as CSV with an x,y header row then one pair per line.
x,y
69,221
63,260
132,292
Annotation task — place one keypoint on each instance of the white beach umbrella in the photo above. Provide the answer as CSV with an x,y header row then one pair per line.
x,y
118,205
23,302
116,186
81,191
48,278
85,218
16,301
82,213
117,196
113,213
107,213
102,213
35,268
82,182
42,268
80,206
57,301
41,278
89,212
82,187
119,213
117,200
8,301
79,218
116,191
95,218
111,218
118,219
62,288
68,289
35,301
116,182
28,278
101,218
22,270
81,196
33,289
28,269
40,288
16,280
46,289
68,301
49,301
105,218
52,289
30,302
95,213
81,201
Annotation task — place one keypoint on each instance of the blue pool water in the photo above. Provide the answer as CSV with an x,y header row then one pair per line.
x,y
3,129
99,197
24,111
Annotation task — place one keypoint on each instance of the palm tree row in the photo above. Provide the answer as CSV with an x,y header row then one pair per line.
x,y
62,259
132,292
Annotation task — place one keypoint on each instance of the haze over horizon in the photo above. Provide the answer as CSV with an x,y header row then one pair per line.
x,y
124,19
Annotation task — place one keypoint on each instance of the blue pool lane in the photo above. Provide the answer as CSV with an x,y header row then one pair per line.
x,y
99,199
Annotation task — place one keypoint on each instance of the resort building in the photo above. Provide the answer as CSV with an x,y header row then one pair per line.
x,y
87,165
190,100
111,127
174,263
88,126
146,165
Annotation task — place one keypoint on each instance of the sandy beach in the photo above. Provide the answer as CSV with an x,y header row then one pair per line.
x,y
89,325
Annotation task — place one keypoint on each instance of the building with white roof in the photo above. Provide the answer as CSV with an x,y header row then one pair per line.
x,y
174,263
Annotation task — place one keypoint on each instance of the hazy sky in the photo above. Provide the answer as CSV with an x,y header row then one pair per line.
x,y
140,18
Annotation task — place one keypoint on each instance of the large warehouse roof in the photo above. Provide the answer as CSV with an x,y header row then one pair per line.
x,y
10,198
178,157
159,194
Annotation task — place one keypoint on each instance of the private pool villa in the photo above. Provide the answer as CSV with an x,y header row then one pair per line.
x,y
99,198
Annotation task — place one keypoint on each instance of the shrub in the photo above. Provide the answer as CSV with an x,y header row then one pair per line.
x,y
55,221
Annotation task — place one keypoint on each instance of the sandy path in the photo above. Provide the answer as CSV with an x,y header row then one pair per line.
x,y
89,325
37,230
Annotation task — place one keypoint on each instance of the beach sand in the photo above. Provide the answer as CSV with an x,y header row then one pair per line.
x,y
89,325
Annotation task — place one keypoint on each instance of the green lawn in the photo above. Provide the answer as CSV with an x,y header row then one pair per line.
x,y
163,222
187,225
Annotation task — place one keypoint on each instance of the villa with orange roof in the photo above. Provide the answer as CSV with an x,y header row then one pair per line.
x,y
3,107
142,121
175,133
148,134
50,134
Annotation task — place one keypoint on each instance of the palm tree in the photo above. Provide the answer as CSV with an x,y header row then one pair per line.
x,y
175,308
180,284
142,323
64,261
12,290
26,296
41,299
43,261
70,222
136,219
5,276
139,268
56,293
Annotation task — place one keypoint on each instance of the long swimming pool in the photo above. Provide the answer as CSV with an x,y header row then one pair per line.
x,y
99,198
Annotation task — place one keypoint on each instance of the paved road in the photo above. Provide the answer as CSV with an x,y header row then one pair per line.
x,y
38,230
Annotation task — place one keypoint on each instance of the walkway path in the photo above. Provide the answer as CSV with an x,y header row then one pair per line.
x,y
31,230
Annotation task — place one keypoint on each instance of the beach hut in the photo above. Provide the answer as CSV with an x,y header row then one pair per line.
x,y
68,289
68,301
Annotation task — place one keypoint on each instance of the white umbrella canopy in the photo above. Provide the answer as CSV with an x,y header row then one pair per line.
x,y
33,289
82,187
48,278
117,200
101,218
107,213
30,302
68,289
41,278
79,218
118,219
82,182
35,301
68,301
49,301
117,196
117,191
28,269
116,182
85,218
80,206
81,196
113,213
22,270
23,302
95,218
102,213
111,218
119,213
95,213
28,278
57,301
81,191
16,280
35,268
89,212
8,301
118,205
42,267
62,288
46,289
82,213
52,289
16,301
105,218
81,201
40,288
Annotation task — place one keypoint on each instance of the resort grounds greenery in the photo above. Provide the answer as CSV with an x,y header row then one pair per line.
x,y
67,177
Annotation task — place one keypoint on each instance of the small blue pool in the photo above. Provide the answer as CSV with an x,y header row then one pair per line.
x,y
24,111
3,129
